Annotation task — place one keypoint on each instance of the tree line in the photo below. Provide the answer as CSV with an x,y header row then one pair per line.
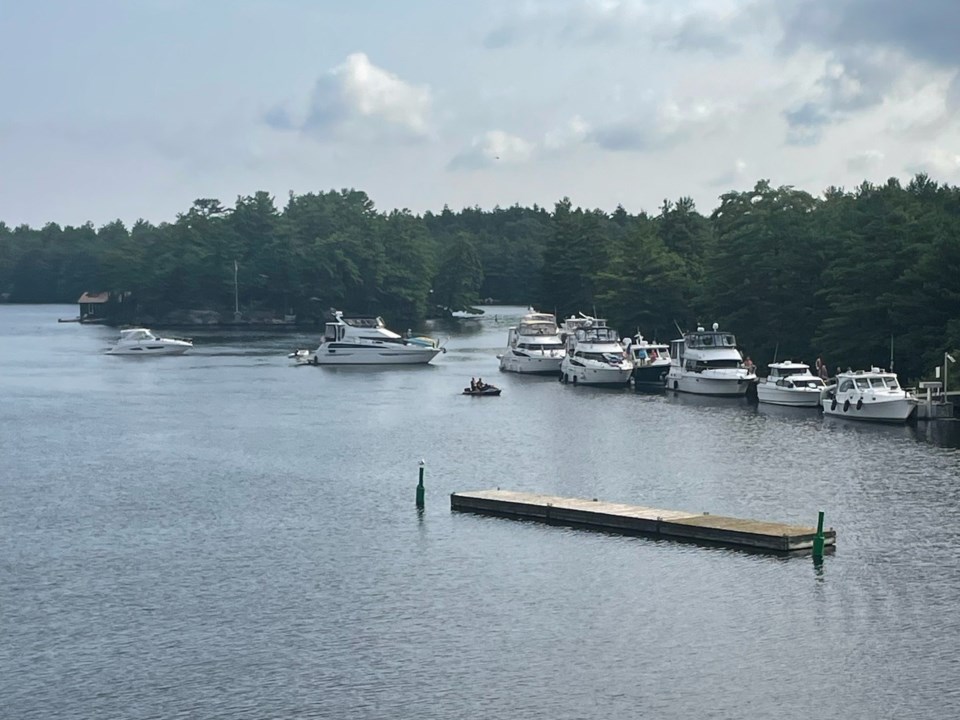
x,y
846,276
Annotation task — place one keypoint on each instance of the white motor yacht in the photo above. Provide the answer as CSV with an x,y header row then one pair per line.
x,y
790,383
140,341
651,360
534,346
707,362
365,340
868,395
594,355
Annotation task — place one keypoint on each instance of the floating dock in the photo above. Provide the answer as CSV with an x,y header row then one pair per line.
x,y
636,520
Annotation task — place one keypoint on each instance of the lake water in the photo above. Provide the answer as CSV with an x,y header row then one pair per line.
x,y
225,535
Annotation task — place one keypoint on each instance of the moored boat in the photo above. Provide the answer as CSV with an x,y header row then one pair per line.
x,y
873,395
594,355
707,362
790,383
534,346
651,360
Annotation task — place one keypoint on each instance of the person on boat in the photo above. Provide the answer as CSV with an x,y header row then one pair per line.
x,y
473,384
748,364
823,373
480,385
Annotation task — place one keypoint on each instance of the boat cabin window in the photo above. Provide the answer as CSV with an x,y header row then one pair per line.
x,y
539,328
711,340
863,384
846,385
540,346
597,334
364,322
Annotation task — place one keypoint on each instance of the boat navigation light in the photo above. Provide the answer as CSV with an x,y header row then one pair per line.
x,y
715,326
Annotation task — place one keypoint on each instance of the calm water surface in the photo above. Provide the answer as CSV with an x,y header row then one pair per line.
x,y
224,535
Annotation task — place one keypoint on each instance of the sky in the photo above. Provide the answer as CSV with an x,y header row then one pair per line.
x,y
120,109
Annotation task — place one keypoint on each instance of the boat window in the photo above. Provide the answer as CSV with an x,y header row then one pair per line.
x,y
892,383
863,384
846,385
811,383
729,341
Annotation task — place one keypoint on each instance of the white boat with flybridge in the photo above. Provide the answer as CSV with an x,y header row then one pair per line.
x,y
365,340
790,383
651,360
534,346
873,394
143,342
594,355
707,362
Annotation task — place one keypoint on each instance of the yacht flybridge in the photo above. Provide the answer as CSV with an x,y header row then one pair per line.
x,y
534,346
365,340
790,383
707,362
594,354
140,341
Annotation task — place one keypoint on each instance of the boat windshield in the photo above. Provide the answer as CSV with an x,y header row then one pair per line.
x,y
811,383
882,383
597,335
540,346
711,340
364,322
796,370
538,328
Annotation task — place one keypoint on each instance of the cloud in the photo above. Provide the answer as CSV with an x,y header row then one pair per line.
x,y
660,127
938,162
654,128
865,161
731,177
711,27
358,98
925,30
491,148
873,50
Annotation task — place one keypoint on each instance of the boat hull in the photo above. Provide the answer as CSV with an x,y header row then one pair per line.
x,y
788,398
897,410
532,365
145,352
599,376
373,356
701,384
650,374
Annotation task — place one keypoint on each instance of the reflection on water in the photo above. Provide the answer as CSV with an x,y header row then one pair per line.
x,y
226,534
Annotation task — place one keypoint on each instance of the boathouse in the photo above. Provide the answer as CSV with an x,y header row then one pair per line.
x,y
93,306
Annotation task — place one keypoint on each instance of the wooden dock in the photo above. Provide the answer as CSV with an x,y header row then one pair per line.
x,y
637,520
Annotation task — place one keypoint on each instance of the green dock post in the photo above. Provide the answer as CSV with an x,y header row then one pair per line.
x,y
420,488
818,539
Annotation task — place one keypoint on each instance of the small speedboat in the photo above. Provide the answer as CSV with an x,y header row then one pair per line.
x,y
485,391
140,341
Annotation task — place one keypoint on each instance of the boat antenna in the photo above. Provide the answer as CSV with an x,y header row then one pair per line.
x,y
775,351
891,352
677,326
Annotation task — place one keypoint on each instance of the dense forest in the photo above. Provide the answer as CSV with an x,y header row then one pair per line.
x,y
847,275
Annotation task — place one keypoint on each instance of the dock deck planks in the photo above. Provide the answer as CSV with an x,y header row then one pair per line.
x,y
636,519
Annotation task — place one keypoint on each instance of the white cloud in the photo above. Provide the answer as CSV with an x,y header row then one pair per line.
x,y
360,99
491,148
572,133
865,161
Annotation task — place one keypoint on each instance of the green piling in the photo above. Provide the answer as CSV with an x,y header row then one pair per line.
x,y
818,539
420,489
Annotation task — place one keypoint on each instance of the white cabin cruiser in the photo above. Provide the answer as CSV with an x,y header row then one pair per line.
x,y
140,341
365,340
534,346
594,355
868,395
707,362
790,383
651,360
